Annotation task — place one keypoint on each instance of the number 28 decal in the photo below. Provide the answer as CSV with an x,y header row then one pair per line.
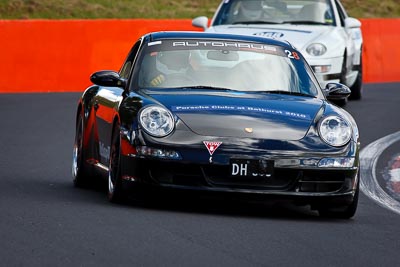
x,y
292,55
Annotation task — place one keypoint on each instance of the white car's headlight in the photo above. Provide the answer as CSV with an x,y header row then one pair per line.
x,y
156,121
335,131
316,49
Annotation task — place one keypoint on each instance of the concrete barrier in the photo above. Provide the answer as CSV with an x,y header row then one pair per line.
x,y
60,55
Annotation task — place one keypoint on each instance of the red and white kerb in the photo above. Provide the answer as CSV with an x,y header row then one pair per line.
x,y
211,147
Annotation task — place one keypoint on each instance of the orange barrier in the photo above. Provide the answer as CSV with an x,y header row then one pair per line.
x,y
60,55
381,50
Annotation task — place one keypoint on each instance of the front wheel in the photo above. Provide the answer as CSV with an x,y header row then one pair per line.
x,y
345,212
115,191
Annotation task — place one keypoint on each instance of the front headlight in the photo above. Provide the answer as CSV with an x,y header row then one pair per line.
x,y
316,49
335,131
156,121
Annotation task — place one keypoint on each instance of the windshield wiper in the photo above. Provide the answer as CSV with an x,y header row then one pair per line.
x,y
256,22
207,87
305,22
283,92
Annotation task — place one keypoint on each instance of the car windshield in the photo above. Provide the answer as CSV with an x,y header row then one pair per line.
x,y
309,12
223,65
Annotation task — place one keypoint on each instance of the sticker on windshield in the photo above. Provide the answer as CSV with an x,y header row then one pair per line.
x,y
154,43
174,45
292,55
214,44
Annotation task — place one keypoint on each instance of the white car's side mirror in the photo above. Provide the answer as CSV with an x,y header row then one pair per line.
x,y
352,23
201,22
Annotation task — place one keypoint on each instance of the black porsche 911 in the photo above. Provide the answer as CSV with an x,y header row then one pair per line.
x,y
222,113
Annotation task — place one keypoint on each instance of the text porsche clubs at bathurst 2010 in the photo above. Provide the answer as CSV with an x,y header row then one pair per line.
x,y
230,118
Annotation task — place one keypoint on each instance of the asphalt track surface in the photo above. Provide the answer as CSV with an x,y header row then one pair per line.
x,y
45,221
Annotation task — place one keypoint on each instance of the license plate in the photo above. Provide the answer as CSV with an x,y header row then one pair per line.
x,y
252,168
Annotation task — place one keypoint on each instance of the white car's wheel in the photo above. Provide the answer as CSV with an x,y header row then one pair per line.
x,y
356,88
343,74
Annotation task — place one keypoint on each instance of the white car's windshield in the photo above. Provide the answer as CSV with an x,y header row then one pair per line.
x,y
225,65
314,12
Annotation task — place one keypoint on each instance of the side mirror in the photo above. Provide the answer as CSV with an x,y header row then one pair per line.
x,y
108,78
336,92
352,23
201,22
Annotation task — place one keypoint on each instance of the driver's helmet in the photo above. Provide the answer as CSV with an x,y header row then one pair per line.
x,y
173,62
251,9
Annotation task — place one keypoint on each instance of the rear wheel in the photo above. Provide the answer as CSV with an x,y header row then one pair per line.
x,y
345,212
115,190
80,175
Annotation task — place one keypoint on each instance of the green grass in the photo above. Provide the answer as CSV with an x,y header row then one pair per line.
x,y
372,8
159,9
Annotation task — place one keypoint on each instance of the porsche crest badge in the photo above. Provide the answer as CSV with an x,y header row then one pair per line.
x,y
211,147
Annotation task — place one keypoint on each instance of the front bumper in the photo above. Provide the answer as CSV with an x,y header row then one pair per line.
x,y
297,169
299,183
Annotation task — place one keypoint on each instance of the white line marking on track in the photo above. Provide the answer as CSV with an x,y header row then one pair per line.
x,y
368,160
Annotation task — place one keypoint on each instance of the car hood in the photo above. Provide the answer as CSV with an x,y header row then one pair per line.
x,y
298,35
266,116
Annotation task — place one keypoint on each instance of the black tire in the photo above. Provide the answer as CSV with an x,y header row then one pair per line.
x,y
115,189
356,88
345,212
343,102
80,174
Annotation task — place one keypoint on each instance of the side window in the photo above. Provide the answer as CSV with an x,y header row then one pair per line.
x,y
342,12
126,68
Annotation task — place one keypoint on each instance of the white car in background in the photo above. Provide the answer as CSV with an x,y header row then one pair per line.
x,y
329,39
